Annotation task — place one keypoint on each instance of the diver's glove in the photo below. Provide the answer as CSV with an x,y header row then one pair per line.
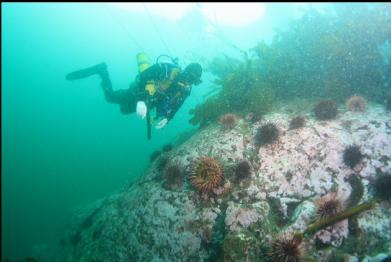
x,y
141,109
162,123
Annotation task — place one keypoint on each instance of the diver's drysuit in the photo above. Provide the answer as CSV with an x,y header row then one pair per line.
x,y
159,86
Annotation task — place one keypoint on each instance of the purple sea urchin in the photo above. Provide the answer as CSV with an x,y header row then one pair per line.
x,y
352,156
287,248
173,176
266,134
382,186
297,122
207,174
242,170
325,110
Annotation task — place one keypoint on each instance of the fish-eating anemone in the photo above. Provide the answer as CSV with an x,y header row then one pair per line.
x,y
207,174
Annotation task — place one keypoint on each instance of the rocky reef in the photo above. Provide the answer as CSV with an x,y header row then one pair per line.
x,y
246,219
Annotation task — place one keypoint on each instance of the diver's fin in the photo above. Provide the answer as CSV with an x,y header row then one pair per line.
x,y
83,73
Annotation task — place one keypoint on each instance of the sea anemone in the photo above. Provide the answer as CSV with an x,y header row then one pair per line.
x,y
382,186
155,155
167,148
297,122
352,156
207,174
356,104
173,174
266,134
328,205
242,170
325,110
287,248
228,121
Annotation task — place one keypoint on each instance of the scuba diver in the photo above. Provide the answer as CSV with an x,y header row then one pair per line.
x,y
162,86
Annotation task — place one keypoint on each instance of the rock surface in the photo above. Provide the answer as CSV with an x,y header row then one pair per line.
x,y
146,222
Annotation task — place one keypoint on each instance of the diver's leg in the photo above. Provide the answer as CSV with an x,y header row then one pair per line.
x,y
101,70
128,102
89,71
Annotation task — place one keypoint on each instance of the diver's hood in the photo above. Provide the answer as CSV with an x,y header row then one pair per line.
x,y
192,74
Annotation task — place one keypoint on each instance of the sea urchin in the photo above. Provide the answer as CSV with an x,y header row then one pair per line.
x,y
297,122
382,187
287,248
242,170
352,155
266,134
228,121
356,104
172,176
328,205
325,110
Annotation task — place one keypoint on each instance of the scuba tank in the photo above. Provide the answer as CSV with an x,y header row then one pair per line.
x,y
142,62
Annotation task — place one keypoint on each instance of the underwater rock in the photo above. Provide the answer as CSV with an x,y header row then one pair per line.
x,y
335,234
241,216
378,258
146,222
241,246
302,216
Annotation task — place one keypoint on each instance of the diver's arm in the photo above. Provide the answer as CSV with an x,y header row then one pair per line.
x,y
146,88
175,107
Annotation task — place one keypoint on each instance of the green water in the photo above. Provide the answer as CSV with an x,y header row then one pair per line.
x,y
63,145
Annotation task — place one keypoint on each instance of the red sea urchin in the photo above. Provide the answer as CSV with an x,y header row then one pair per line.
x,y
287,248
356,104
207,174
228,121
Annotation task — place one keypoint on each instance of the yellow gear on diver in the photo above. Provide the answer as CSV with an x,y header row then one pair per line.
x,y
166,83
150,87
142,61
